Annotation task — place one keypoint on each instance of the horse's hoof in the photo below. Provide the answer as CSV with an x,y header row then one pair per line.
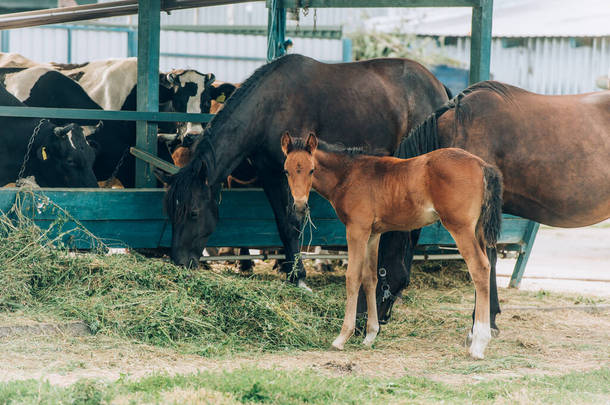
x,y
301,284
468,340
476,355
495,332
368,342
338,348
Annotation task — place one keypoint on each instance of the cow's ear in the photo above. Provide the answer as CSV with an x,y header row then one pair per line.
x,y
286,143
172,79
61,132
42,153
209,79
221,93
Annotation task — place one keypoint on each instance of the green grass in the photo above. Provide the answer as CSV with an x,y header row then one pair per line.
x,y
250,385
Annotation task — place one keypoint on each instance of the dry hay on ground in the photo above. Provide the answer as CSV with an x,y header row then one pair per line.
x,y
425,338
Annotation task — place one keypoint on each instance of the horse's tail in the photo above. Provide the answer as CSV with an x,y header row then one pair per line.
x,y
491,210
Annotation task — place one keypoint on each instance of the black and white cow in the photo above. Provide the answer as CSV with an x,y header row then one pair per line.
x,y
42,86
60,156
192,93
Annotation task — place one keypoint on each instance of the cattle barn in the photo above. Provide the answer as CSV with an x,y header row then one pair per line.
x,y
135,217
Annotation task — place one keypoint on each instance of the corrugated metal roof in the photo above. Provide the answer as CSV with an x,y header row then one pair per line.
x,y
516,18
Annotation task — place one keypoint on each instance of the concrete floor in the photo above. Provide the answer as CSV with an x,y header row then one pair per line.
x,y
573,254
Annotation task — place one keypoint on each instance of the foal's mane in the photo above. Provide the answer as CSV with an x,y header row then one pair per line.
x,y
424,138
179,196
339,148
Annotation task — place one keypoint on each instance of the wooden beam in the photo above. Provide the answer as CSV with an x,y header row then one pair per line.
x,y
376,3
149,21
480,41
529,237
93,11
75,113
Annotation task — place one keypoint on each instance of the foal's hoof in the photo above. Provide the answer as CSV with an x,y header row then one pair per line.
x,y
468,340
495,332
301,284
368,342
476,355
338,348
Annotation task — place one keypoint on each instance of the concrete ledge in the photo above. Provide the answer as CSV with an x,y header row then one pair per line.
x,y
78,328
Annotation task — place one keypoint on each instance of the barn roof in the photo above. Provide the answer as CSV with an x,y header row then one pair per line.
x,y
511,18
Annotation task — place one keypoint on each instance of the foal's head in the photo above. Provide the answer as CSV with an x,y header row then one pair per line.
x,y
299,167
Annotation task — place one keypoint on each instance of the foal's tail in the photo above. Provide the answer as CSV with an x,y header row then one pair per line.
x,y
491,211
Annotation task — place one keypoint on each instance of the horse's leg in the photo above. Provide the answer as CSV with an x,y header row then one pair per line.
x,y
494,303
369,282
356,252
478,266
245,266
396,250
278,193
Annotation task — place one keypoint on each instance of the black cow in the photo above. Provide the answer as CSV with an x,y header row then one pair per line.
x,y
60,156
44,87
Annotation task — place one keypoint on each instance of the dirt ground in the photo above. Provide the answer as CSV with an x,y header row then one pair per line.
x,y
566,260
532,342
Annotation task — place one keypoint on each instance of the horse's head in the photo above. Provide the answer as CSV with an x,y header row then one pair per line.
x,y
299,167
191,206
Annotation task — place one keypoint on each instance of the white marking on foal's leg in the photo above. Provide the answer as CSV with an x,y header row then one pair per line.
x,y
371,335
301,284
481,335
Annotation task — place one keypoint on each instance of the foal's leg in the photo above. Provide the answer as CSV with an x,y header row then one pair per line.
x,y
478,266
356,250
369,282
494,303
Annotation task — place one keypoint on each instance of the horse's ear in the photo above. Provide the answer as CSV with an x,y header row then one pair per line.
x,y
312,143
203,172
286,143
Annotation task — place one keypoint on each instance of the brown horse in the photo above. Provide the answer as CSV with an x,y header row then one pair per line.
x,y
371,102
373,194
553,152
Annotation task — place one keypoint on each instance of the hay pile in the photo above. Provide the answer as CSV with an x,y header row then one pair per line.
x,y
153,301
156,302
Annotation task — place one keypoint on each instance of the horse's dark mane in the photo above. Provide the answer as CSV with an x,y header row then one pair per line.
x,y
179,193
339,148
424,138
240,94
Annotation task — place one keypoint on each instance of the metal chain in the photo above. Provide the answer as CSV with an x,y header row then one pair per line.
x,y
117,167
29,147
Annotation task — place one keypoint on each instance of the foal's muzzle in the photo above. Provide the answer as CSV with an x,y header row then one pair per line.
x,y
300,208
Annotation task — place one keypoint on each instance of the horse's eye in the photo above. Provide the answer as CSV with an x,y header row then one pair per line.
x,y
311,172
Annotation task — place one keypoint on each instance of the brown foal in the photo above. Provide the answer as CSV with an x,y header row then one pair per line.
x,y
373,195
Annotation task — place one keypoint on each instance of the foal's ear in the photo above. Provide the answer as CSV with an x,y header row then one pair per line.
x,y
286,143
312,143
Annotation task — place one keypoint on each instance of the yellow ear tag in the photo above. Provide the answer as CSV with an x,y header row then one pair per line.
x,y
44,153
221,98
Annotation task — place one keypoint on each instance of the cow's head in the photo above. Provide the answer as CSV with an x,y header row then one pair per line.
x,y
64,157
191,95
